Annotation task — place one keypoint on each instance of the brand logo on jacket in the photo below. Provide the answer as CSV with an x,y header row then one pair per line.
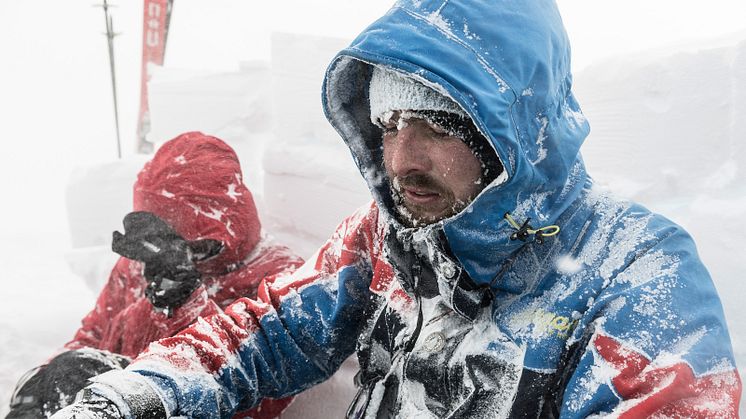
x,y
543,322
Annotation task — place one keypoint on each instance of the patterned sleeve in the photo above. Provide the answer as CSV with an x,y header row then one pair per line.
x,y
656,343
295,334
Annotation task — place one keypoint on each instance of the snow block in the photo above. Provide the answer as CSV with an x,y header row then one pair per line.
x,y
311,182
97,199
298,65
189,100
676,113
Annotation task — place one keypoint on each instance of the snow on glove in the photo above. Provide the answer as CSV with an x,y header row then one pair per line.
x,y
169,259
115,395
90,406
46,389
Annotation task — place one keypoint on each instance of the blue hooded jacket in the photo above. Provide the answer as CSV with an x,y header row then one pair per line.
x,y
613,315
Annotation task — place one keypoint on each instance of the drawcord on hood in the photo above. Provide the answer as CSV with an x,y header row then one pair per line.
x,y
523,231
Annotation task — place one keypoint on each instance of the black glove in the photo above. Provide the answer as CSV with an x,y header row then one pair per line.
x,y
168,258
90,406
134,396
46,389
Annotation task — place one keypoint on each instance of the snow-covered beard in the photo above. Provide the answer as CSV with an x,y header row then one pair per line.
x,y
411,215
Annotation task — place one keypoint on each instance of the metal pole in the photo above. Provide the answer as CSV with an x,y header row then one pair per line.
x,y
110,34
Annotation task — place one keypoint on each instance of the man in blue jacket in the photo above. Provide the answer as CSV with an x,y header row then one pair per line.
x,y
488,278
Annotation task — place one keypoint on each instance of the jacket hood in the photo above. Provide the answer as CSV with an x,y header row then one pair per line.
x,y
194,183
507,64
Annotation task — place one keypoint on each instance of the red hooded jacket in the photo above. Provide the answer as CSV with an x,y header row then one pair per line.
x,y
193,183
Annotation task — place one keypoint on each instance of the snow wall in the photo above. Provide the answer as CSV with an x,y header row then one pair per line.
x,y
667,130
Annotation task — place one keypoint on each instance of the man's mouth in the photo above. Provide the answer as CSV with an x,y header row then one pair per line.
x,y
420,196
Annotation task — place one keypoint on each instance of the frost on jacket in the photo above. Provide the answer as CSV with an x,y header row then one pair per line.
x,y
614,315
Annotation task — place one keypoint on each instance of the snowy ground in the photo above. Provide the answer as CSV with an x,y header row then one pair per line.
x,y
667,130
40,310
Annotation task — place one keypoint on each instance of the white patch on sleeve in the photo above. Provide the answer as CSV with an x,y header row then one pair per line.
x,y
531,205
541,153
684,344
167,194
214,214
229,229
599,374
232,192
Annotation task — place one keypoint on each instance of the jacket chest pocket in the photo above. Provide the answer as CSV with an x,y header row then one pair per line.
x,y
461,369
379,347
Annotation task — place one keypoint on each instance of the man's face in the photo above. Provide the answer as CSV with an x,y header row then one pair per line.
x,y
434,175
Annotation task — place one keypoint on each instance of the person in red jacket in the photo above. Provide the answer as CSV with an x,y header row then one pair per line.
x,y
192,246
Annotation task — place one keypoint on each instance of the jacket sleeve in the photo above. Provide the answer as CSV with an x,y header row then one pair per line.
x,y
267,261
294,335
655,342
123,321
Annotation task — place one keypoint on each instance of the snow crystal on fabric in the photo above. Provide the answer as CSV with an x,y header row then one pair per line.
x,y
623,243
588,384
214,214
649,266
413,405
438,21
232,193
531,204
470,35
575,118
568,265
683,345
609,211
541,151
614,306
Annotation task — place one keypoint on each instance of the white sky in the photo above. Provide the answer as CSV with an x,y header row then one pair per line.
x,y
55,94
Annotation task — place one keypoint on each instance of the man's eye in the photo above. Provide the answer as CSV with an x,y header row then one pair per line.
x,y
390,129
437,130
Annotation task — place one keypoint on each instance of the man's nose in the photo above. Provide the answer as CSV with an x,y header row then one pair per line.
x,y
409,154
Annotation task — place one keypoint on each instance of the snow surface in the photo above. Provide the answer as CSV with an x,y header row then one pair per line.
x,y
667,130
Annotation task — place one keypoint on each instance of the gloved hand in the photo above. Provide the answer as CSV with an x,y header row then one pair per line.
x,y
116,394
168,258
90,406
46,389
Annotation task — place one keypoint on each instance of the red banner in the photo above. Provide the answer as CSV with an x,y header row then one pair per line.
x,y
156,15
